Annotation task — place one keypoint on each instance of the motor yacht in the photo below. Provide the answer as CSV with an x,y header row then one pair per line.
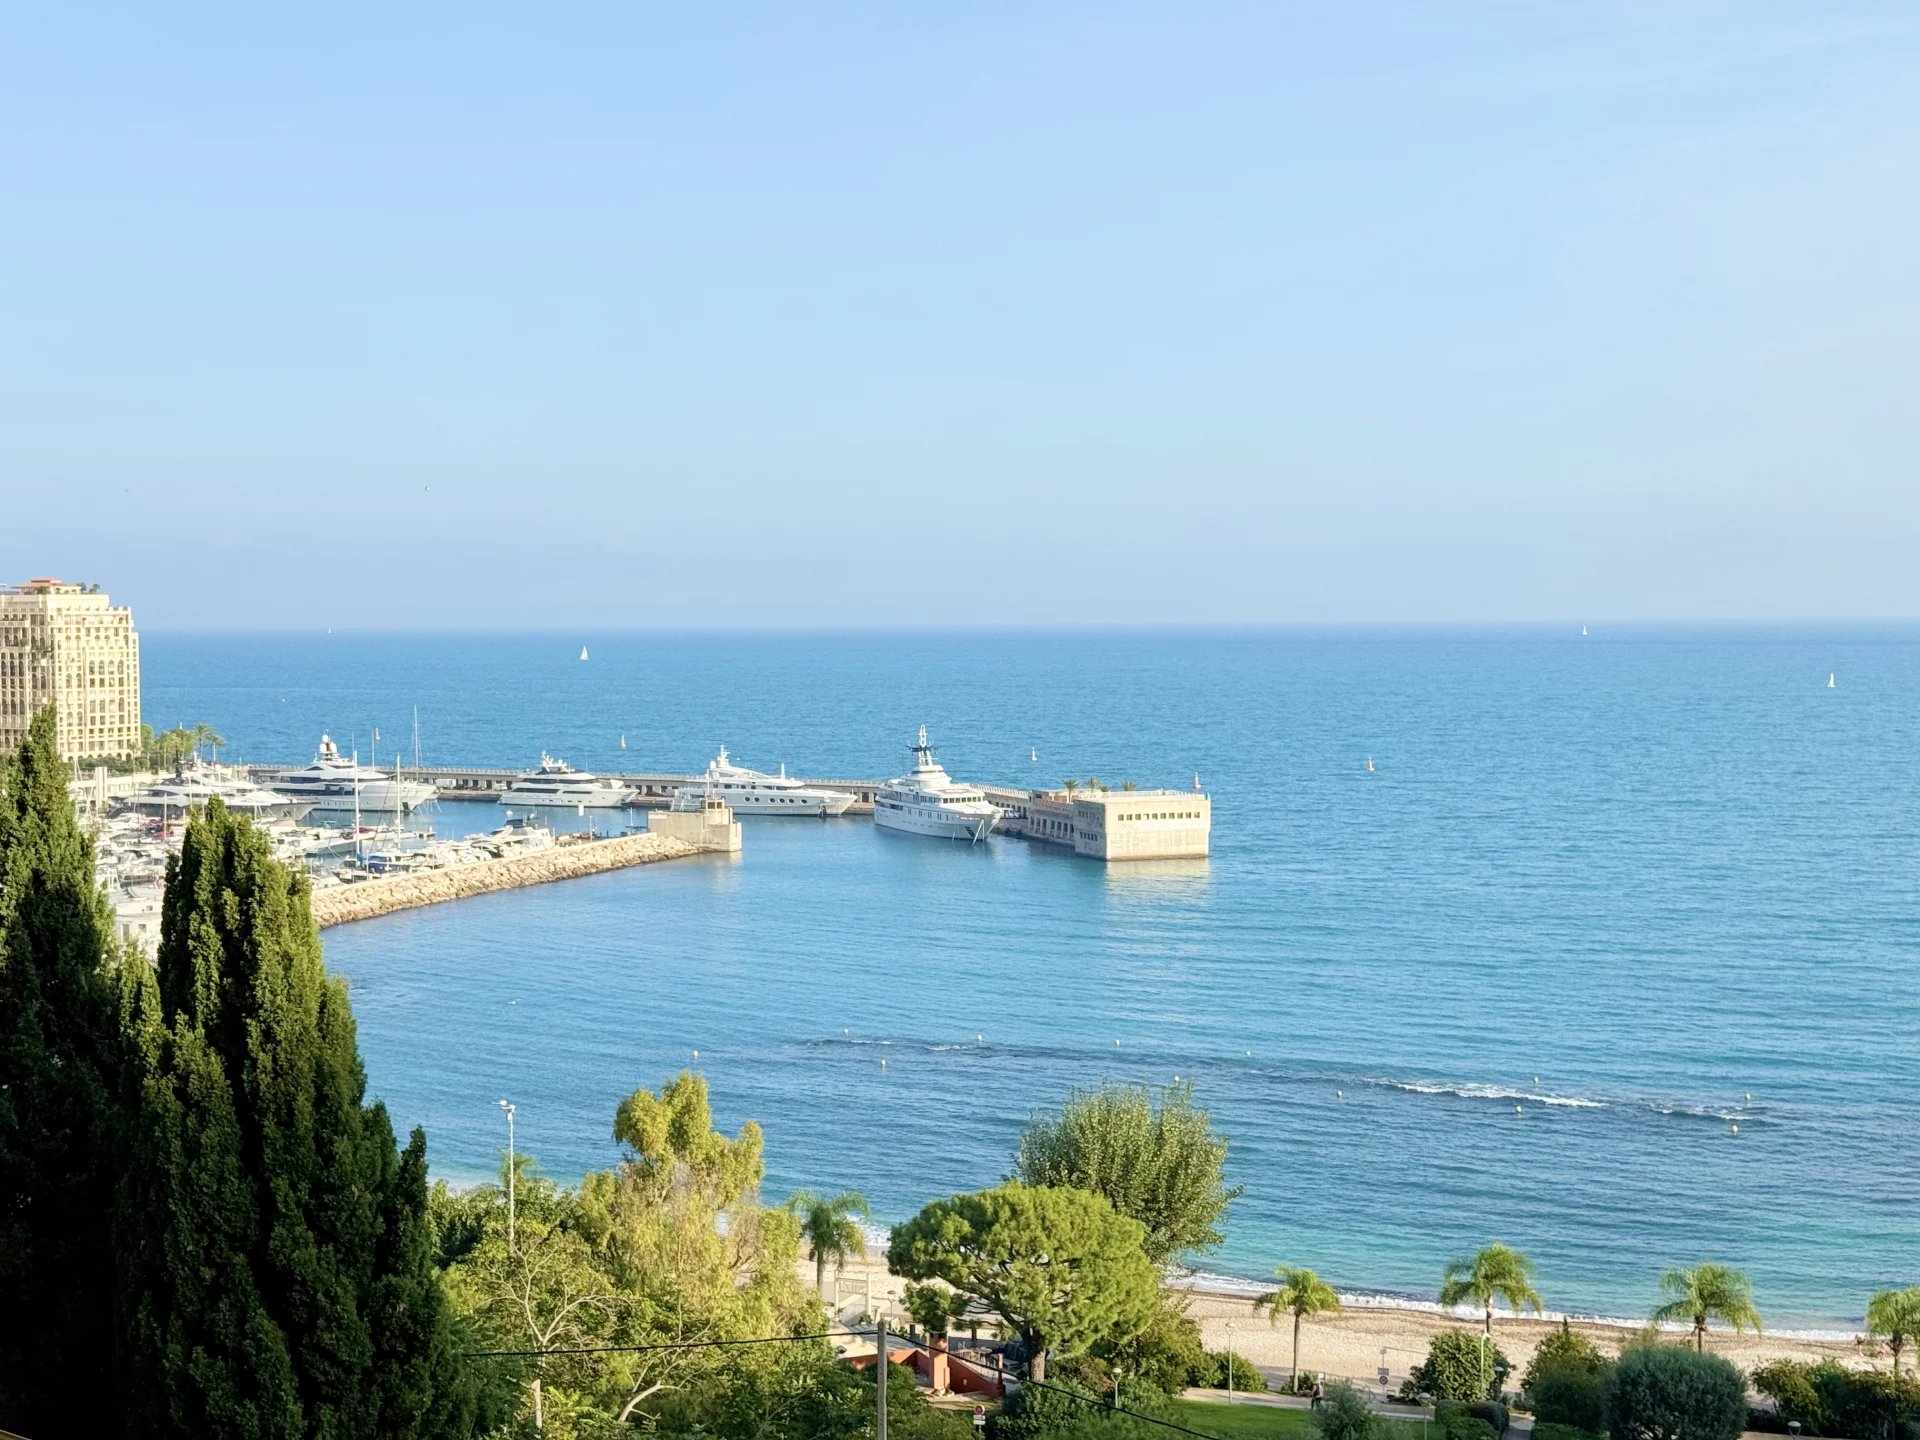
x,y
928,801
555,783
753,792
334,782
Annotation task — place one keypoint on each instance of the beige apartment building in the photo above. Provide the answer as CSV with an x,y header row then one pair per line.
x,y
69,646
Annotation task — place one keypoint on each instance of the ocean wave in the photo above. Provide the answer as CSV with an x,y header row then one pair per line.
x,y
1744,1115
1490,1092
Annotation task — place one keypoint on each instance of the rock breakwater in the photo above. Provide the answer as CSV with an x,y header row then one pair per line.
x,y
340,904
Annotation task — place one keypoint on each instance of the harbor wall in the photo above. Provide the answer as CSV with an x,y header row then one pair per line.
x,y
366,899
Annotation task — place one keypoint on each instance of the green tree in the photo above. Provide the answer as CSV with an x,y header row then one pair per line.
x,y
831,1228
1894,1316
1494,1272
1663,1392
1060,1266
62,1056
1461,1366
1301,1293
205,735
934,1308
1162,1165
1707,1292
279,1272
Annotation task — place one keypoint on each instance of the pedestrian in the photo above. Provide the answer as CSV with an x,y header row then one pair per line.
x,y
1319,1391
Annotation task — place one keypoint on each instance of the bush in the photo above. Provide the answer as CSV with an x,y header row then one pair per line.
x,y
1789,1385
1344,1414
1212,1372
1570,1397
1547,1430
1666,1393
1493,1412
1830,1399
1456,1370
1563,1353
1456,1424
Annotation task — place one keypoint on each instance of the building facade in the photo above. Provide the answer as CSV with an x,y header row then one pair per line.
x,y
1116,824
70,647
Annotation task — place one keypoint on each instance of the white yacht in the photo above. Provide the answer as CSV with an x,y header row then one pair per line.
x,y
930,802
556,783
197,783
332,780
752,792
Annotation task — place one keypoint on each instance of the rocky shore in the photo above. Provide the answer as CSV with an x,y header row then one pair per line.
x,y
341,904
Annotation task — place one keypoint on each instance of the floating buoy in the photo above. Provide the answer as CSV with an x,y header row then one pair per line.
x,y
1736,1129
1536,1082
1516,1109
846,1032
1249,1054
883,1064
1339,1094
696,1054
1116,1044
1176,1079
1749,1097
979,1039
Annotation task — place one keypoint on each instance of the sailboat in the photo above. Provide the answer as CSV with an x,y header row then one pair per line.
x,y
1583,629
623,742
1033,754
583,652
1369,765
1829,680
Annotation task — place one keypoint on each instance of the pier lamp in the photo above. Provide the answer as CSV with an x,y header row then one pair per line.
x,y
507,1105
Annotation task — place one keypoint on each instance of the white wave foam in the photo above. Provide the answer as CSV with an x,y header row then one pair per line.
x,y
1490,1092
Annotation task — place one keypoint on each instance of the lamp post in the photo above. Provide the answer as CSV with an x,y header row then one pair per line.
x,y
1229,1362
507,1105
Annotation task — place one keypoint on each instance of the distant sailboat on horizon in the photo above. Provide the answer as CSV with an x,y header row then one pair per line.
x,y
1033,754
623,741
583,652
1369,765
1829,680
1583,629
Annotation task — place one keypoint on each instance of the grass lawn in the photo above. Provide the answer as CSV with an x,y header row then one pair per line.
x,y
1264,1422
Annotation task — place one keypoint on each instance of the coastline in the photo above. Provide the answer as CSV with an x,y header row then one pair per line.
x,y
1372,1329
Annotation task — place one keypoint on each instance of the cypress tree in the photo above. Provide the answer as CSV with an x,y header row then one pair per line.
x,y
60,1056
281,1278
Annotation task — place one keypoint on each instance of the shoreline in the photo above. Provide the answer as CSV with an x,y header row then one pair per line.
x,y
1373,1329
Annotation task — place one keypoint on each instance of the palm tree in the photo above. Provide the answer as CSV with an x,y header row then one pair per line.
x,y
1496,1272
831,1228
1071,784
1894,1316
1301,1293
1708,1292
204,734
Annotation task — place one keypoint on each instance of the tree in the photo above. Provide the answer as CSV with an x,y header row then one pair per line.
x,y
279,1273
205,734
1161,1165
934,1308
1707,1292
1665,1393
1301,1293
1460,1366
62,1057
1894,1316
1495,1272
830,1228
1566,1381
1060,1266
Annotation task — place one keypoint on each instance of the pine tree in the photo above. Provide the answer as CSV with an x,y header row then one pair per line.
x,y
282,1282
60,1059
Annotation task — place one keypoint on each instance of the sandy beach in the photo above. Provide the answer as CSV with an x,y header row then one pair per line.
x,y
1351,1343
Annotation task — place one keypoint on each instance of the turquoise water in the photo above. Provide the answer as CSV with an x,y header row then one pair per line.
x,y
1658,869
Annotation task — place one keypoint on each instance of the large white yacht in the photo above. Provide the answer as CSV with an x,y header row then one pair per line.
x,y
930,802
554,782
751,792
196,783
332,781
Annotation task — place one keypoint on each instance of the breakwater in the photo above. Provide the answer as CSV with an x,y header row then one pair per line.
x,y
366,899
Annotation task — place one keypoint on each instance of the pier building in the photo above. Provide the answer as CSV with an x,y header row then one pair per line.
x,y
70,647
1112,824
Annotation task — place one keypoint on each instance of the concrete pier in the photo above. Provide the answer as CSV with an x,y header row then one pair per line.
x,y
366,899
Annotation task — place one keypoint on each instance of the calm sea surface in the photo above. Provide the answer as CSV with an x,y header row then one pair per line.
x,y
1659,870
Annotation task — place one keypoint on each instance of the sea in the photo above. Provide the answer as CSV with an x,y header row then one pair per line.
x,y
1603,945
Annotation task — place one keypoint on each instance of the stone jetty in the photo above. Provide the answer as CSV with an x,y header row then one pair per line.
x,y
339,904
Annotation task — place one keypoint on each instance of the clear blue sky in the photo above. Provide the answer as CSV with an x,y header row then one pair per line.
x,y
634,314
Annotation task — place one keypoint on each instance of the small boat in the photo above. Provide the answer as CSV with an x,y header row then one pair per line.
x,y
1034,755
1583,629
583,652
1369,765
1829,680
623,742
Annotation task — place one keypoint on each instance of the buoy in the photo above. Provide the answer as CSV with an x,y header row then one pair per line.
x,y
1116,1044
979,1039
1749,1097
1516,1109
1536,1082
1249,1054
846,1032
696,1054
1339,1094
1736,1129
883,1064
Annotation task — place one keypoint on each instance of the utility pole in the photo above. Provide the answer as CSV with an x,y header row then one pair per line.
x,y
880,1379
507,1106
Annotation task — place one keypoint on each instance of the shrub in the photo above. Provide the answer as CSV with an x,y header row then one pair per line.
x,y
1344,1414
1666,1393
1456,1424
1563,1352
1491,1411
1547,1430
1570,1397
1830,1399
1789,1385
1212,1372
1455,1368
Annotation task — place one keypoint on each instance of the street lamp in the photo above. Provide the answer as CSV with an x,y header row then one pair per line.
x,y
1229,1362
507,1105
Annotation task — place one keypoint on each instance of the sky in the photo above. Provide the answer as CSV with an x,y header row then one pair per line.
x,y
410,317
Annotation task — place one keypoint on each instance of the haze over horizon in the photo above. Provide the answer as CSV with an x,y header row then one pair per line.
x,y
612,319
